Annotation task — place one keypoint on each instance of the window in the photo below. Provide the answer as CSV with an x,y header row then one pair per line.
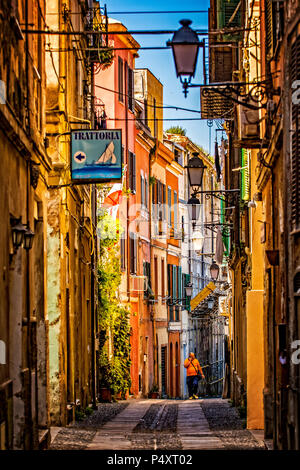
x,y
121,79
130,89
155,277
182,229
133,254
132,172
146,192
153,200
143,191
147,274
163,293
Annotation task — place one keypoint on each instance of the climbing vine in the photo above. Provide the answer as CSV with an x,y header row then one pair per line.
x,y
113,317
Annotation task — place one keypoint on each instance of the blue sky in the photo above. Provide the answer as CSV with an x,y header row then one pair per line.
x,y
160,62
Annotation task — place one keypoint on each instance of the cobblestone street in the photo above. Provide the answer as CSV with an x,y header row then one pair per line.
x,y
202,424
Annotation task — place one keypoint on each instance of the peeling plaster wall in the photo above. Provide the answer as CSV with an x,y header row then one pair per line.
x,y
54,313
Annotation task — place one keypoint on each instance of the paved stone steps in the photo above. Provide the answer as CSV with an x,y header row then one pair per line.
x,y
193,428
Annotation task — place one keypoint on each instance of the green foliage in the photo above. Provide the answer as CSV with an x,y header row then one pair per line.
x,y
176,130
151,180
80,415
113,318
106,57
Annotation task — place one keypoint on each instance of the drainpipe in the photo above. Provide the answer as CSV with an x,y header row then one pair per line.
x,y
29,424
274,322
93,257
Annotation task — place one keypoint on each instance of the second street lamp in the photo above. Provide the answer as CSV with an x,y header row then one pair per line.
x,y
194,207
195,169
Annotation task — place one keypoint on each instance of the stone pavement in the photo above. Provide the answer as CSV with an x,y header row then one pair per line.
x,y
113,435
145,424
192,427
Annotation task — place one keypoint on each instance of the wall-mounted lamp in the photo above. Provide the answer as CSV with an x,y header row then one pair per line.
x,y
18,230
28,238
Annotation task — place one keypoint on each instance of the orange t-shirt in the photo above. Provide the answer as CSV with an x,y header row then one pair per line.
x,y
192,367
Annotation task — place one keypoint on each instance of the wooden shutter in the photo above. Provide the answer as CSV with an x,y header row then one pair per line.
x,y
169,280
164,201
132,172
231,7
169,207
295,150
175,210
130,89
174,282
120,79
269,28
245,180
179,277
133,254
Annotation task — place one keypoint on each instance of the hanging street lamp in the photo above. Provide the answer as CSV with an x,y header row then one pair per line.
x,y
198,240
194,207
214,271
210,303
28,238
185,46
195,169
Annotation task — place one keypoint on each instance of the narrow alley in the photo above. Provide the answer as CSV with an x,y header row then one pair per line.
x,y
204,424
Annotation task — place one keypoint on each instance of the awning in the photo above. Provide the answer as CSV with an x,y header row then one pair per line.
x,y
202,295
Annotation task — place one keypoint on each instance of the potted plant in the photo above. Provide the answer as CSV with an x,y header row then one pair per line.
x,y
154,392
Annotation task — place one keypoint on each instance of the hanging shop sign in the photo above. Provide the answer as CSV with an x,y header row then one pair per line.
x,y
96,156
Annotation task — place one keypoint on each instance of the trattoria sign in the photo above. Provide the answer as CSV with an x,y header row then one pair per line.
x,y
96,156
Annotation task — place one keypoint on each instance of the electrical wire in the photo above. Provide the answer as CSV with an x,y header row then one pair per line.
x,y
149,105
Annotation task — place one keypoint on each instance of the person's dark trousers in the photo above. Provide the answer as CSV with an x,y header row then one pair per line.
x,y
191,387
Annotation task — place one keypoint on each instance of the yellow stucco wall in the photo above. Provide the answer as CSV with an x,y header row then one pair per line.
x,y
255,360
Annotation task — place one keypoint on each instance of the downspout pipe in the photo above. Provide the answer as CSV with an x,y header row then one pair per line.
x,y
274,321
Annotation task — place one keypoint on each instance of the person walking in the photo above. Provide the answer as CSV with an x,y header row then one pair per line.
x,y
193,370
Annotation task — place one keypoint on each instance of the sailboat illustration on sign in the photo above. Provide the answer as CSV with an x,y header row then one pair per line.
x,y
108,155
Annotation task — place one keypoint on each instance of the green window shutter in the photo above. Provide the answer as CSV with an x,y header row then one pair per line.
x,y
245,182
187,280
225,10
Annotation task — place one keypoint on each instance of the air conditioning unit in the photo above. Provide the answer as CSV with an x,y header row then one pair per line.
x,y
249,122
